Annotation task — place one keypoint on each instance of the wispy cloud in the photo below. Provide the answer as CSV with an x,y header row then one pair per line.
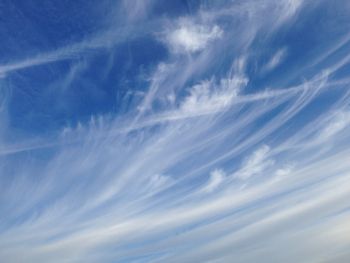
x,y
216,178
208,161
187,36
256,163
275,60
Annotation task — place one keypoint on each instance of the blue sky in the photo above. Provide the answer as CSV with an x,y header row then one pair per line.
x,y
175,131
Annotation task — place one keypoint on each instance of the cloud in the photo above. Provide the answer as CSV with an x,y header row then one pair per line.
x,y
275,60
210,97
216,179
207,164
256,163
189,37
339,122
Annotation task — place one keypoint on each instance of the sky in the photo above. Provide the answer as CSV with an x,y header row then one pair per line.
x,y
175,131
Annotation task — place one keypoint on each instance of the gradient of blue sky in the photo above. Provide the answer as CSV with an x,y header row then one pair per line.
x,y
175,131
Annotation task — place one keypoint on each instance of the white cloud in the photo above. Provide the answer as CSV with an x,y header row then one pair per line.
x,y
284,171
209,96
216,178
158,181
190,37
256,163
340,121
275,60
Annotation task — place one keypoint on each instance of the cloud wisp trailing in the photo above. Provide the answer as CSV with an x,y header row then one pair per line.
x,y
197,132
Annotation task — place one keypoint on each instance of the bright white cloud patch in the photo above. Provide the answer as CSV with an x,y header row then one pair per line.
x,y
215,180
190,37
211,96
338,123
256,163
275,60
